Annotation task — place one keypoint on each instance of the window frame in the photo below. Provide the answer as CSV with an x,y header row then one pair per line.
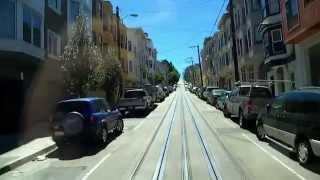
x,y
58,45
55,9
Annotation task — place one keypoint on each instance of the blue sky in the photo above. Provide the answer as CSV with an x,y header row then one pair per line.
x,y
173,25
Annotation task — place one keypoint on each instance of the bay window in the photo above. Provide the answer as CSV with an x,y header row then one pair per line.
x,y
292,13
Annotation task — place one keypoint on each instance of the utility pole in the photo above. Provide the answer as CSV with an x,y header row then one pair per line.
x,y
234,46
200,66
199,59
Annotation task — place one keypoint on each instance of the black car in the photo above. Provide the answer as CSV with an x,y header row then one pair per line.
x,y
84,120
292,121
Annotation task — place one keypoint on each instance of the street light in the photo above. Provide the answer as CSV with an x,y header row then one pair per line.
x,y
197,46
130,15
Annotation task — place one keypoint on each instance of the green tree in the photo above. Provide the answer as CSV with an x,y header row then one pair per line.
x,y
81,61
112,76
173,77
158,78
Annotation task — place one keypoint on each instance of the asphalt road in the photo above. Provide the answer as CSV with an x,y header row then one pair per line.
x,y
183,138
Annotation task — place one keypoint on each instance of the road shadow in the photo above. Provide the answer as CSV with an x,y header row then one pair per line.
x,y
140,114
78,150
313,166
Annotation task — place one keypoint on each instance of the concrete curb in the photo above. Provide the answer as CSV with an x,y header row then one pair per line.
x,y
22,160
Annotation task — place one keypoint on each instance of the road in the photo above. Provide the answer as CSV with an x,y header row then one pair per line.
x,y
183,138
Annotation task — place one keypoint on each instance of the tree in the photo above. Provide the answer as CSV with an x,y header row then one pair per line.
x,y
81,61
112,76
173,77
158,78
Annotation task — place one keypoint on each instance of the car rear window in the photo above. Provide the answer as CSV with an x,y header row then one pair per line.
x,y
244,91
218,92
66,107
260,92
134,94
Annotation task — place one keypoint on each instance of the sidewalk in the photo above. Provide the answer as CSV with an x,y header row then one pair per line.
x,y
25,153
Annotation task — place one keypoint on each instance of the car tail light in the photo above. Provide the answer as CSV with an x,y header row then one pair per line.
x,y
249,105
92,119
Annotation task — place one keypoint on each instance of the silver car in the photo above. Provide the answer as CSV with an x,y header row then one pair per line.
x,y
245,103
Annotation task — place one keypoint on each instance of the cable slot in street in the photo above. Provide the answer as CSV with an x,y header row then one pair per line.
x,y
206,152
138,166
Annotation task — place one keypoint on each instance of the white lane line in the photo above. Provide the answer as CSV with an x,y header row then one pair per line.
x,y
85,177
275,158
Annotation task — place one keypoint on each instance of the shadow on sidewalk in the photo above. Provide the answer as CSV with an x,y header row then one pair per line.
x,y
140,114
79,150
9,142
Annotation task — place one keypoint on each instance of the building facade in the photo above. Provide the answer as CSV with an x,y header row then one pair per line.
x,y
279,58
21,51
301,23
247,17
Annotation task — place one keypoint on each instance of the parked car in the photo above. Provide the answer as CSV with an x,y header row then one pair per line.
x,y
292,121
152,91
135,100
160,94
200,93
246,101
208,90
194,90
84,119
166,90
212,96
221,101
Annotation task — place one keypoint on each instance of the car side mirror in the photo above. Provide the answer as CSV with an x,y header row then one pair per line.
x,y
268,107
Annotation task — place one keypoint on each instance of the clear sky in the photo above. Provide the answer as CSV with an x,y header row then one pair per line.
x,y
173,25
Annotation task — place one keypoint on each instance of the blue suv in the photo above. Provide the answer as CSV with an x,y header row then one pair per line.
x,y
89,119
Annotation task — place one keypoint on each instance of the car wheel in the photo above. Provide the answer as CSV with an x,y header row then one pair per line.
x,y
261,133
225,112
304,152
120,126
102,135
242,121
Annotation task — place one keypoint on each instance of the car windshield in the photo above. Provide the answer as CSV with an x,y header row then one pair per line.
x,y
149,80
134,94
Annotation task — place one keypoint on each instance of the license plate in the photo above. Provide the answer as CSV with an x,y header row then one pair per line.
x,y
58,133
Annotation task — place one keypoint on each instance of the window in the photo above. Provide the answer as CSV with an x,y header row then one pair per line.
x,y
276,35
292,13
246,48
278,104
55,5
129,45
54,44
8,19
278,46
32,22
251,73
274,6
37,30
260,92
75,10
257,34
130,66
243,74
27,20
244,91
